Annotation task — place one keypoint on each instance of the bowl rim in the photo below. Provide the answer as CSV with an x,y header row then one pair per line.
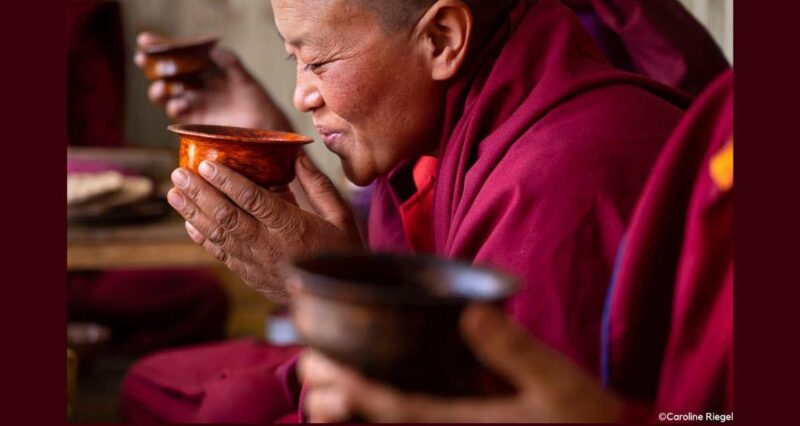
x,y
363,293
204,131
176,45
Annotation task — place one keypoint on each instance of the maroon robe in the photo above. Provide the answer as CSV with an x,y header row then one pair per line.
x,y
668,334
545,150
543,157
150,309
656,38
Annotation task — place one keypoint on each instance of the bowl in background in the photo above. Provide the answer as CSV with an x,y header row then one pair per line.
x,y
263,156
175,58
395,318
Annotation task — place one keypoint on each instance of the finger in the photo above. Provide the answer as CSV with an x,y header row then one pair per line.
x,y
506,348
198,226
230,65
204,232
322,193
176,107
326,406
221,221
188,209
157,92
176,89
382,404
148,38
318,371
139,59
162,92
194,234
270,209
340,392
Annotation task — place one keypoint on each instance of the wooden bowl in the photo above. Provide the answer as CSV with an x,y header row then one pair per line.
x,y
395,318
176,58
263,156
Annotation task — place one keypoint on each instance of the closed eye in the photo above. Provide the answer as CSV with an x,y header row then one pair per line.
x,y
315,67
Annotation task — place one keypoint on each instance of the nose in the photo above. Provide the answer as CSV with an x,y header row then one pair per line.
x,y
307,97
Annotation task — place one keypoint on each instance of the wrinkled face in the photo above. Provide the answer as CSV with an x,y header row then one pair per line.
x,y
369,91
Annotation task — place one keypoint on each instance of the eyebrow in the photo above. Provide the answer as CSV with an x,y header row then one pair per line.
x,y
295,41
303,39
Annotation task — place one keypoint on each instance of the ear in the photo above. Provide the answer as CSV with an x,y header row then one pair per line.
x,y
445,30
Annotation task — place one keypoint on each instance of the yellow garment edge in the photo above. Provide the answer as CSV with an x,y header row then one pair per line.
x,y
722,167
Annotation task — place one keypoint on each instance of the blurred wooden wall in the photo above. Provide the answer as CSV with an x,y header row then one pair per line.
x,y
248,26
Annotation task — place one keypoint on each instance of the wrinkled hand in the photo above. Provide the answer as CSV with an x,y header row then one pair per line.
x,y
227,95
254,231
549,387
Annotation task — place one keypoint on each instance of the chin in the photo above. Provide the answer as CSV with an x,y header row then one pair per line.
x,y
360,179
361,176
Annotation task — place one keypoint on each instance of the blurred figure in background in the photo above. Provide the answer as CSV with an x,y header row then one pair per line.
x,y
145,310
656,38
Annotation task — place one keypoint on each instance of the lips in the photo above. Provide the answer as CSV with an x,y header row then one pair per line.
x,y
330,137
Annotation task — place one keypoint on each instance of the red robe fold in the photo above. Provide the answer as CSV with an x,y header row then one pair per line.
x,y
543,157
230,382
668,334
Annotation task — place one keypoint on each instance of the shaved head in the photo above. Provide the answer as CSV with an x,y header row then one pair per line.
x,y
399,14
396,14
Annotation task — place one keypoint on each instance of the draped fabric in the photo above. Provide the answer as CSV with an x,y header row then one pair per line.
x,y
544,152
656,38
668,333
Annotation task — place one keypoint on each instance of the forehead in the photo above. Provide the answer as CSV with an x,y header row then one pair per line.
x,y
302,22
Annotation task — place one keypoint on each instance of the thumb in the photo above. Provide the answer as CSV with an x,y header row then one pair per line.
x,y
230,64
504,347
322,193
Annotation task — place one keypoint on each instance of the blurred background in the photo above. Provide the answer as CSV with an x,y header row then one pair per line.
x,y
136,283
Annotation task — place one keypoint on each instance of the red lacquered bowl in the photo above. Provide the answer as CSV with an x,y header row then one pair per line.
x,y
265,157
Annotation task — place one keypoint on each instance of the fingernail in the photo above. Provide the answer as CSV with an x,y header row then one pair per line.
x,y
176,199
190,228
179,178
206,169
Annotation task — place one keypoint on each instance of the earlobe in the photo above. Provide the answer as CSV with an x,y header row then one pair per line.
x,y
447,28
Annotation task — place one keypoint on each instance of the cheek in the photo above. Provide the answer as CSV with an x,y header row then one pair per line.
x,y
352,93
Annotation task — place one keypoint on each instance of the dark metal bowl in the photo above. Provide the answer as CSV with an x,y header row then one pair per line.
x,y
395,318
